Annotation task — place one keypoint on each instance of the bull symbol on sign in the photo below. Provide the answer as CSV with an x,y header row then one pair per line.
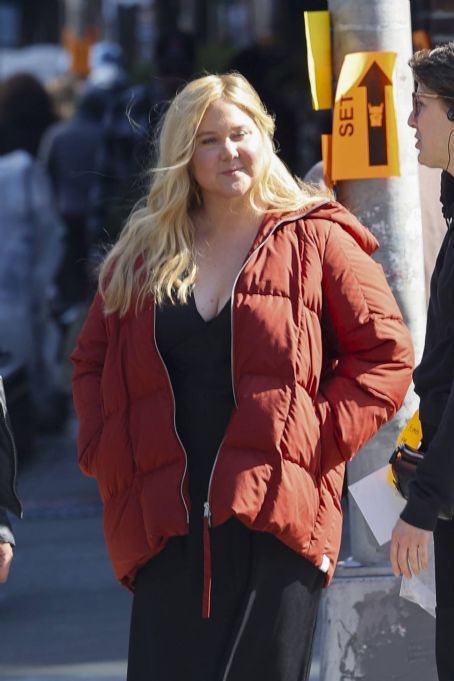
x,y
375,115
375,81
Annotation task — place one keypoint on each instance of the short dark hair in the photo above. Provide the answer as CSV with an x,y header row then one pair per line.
x,y
435,69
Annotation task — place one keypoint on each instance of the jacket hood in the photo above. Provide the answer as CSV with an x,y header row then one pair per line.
x,y
322,210
335,212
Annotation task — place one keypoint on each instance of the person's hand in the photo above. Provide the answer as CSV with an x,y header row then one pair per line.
x,y
6,556
409,551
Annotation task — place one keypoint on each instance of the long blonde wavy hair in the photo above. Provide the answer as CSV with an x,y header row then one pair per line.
x,y
155,252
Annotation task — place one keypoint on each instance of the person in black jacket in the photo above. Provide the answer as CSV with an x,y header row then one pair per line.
x,y
126,140
68,151
8,495
432,118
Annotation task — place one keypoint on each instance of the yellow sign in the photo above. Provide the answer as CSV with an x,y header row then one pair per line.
x,y
318,41
411,433
364,123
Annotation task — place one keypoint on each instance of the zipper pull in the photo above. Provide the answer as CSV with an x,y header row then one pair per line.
x,y
207,512
206,598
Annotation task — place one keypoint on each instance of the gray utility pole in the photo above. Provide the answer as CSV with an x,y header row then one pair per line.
x,y
369,632
80,15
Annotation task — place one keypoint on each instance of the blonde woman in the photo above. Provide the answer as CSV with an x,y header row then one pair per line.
x,y
242,346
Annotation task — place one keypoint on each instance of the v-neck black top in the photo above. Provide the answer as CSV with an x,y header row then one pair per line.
x,y
197,354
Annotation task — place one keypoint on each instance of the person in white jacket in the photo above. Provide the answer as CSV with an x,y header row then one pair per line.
x,y
31,236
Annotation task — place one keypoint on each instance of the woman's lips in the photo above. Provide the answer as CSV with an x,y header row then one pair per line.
x,y
231,171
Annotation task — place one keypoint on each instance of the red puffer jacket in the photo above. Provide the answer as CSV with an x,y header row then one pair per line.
x,y
320,360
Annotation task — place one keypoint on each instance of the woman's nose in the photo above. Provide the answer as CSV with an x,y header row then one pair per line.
x,y
229,149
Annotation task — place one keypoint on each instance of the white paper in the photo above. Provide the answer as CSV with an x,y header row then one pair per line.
x,y
379,503
420,589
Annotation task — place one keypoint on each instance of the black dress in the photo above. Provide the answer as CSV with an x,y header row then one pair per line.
x,y
264,596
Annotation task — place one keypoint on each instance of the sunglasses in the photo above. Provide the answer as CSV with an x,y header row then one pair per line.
x,y
417,104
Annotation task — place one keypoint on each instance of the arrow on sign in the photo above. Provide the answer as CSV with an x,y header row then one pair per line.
x,y
375,82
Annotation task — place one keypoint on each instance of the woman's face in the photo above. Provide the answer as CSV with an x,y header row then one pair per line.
x,y
227,153
433,129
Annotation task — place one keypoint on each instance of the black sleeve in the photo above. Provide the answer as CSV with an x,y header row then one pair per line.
x,y
434,483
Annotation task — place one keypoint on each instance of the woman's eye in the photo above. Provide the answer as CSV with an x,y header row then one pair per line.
x,y
240,134
209,140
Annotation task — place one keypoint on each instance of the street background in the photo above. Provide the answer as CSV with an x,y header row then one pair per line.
x,y
62,614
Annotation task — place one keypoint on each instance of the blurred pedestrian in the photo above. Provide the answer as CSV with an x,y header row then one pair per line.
x,y
107,72
25,113
68,152
107,77
123,155
31,233
8,495
63,91
31,237
432,118
242,346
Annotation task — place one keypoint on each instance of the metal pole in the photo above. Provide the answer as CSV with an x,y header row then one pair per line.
x,y
390,207
368,631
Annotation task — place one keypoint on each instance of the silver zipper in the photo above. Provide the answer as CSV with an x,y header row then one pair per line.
x,y
206,505
174,415
207,508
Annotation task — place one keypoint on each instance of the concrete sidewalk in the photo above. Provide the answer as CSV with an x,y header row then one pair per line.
x,y
62,614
